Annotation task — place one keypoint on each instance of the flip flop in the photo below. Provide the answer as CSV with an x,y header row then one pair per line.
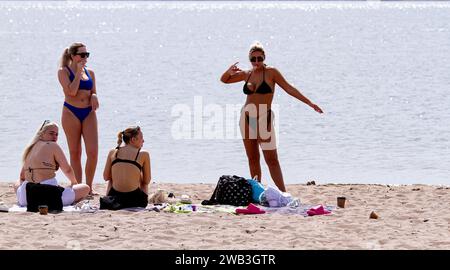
x,y
251,209
317,210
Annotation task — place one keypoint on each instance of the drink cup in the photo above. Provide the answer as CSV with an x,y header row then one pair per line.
x,y
43,209
341,202
373,215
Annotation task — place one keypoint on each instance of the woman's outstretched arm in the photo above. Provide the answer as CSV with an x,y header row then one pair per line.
x,y
291,90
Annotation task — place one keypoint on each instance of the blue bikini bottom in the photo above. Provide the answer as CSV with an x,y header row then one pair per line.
x,y
80,113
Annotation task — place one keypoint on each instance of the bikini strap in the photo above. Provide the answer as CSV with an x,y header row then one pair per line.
x,y
70,71
31,170
137,154
87,73
248,77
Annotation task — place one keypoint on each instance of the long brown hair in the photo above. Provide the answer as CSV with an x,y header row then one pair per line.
x,y
127,135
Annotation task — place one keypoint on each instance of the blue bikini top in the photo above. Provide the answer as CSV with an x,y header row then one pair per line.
x,y
84,85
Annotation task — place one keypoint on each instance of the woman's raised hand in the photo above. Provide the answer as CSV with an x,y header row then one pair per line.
x,y
81,65
233,69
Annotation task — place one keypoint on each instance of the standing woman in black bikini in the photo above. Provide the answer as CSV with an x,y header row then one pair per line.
x,y
78,114
257,117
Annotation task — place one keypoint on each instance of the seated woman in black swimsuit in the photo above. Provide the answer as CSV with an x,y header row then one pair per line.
x,y
257,117
127,171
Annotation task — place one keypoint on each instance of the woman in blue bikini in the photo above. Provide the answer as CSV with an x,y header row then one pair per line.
x,y
78,114
257,117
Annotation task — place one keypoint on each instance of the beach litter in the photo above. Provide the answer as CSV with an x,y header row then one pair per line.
x,y
373,215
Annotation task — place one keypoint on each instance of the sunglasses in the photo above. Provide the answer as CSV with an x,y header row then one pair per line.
x,y
83,54
259,58
43,124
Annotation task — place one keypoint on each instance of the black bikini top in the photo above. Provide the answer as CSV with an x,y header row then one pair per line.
x,y
134,162
263,88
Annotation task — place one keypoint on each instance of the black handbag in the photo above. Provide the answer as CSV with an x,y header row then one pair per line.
x,y
231,190
42,194
110,203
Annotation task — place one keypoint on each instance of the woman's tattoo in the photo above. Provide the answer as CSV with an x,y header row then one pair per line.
x,y
47,164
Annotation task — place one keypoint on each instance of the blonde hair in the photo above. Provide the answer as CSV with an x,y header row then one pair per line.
x,y
47,124
257,47
127,135
66,57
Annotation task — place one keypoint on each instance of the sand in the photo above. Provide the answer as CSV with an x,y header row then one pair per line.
x,y
410,217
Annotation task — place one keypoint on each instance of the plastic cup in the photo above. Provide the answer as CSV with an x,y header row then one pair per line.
x,y
373,215
43,209
341,202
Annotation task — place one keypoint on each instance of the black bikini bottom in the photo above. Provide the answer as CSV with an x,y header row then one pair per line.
x,y
116,200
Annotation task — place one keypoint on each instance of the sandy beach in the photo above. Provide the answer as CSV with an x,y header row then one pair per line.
x,y
410,217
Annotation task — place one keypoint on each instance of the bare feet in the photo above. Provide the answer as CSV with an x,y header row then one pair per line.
x,y
93,192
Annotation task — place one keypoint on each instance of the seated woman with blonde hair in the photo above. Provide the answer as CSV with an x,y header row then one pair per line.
x,y
127,172
41,159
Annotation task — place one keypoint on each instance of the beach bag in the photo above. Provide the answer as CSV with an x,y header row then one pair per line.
x,y
42,194
110,203
231,190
